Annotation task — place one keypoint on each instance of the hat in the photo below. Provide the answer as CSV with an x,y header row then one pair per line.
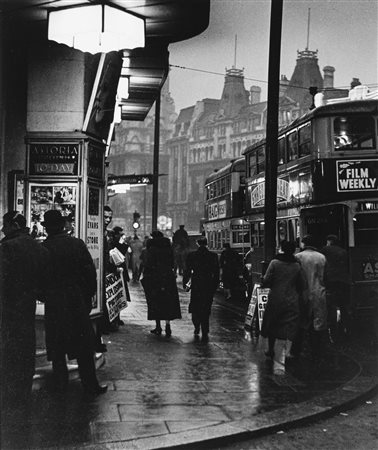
x,y
53,218
332,238
117,229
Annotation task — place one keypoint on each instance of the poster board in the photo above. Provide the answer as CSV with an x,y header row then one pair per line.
x,y
116,299
251,308
45,196
262,300
94,241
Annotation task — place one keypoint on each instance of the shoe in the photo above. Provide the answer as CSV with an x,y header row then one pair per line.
x,y
205,338
98,390
168,331
269,354
156,331
101,348
196,331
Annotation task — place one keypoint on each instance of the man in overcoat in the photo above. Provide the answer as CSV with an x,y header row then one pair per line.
x,y
202,268
313,264
23,266
70,287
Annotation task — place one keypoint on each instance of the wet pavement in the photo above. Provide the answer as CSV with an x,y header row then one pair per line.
x,y
166,392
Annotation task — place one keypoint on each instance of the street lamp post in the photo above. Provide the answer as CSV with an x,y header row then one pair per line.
x,y
270,210
155,184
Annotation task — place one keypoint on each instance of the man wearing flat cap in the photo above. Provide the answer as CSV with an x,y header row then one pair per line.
x,y
70,287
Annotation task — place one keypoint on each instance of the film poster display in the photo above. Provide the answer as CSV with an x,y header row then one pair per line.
x,y
43,197
115,294
94,239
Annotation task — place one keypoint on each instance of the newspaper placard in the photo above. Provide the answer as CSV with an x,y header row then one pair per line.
x,y
262,299
251,308
115,294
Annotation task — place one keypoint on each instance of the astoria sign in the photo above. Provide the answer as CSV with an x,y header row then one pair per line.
x,y
49,159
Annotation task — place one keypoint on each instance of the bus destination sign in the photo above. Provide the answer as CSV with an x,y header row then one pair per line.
x,y
357,175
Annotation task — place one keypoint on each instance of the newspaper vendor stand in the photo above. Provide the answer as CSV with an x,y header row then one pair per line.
x,y
66,172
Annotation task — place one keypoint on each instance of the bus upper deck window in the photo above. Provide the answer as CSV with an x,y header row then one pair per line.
x,y
261,160
292,146
281,152
353,132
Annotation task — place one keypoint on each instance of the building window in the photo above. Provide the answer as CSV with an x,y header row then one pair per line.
x,y
281,151
304,138
292,146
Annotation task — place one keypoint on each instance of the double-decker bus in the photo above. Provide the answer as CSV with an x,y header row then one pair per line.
x,y
327,184
224,206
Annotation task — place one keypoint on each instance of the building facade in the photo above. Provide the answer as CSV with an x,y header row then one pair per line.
x,y
210,133
131,152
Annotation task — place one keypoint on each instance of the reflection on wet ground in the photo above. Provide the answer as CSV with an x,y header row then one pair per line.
x,y
159,385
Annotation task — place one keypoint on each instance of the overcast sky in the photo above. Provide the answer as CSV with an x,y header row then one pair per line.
x,y
345,33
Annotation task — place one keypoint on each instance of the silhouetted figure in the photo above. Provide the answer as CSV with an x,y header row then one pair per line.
x,y
70,287
23,270
313,263
202,269
180,240
159,283
337,281
286,281
231,266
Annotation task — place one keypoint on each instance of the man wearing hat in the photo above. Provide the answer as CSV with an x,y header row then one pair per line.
x,y
70,286
337,285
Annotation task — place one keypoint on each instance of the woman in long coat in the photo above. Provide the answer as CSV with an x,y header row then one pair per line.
x,y
286,281
159,283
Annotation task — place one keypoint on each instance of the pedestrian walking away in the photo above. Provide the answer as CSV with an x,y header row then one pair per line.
x,y
180,240
70,287
231,266
202,269
286,280
136,246
159,283
313,263
23,272
337,282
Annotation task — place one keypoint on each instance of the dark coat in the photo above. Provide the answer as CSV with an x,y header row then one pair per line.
x,y
159,281
232,266
287,282
203,270
23,268
71,285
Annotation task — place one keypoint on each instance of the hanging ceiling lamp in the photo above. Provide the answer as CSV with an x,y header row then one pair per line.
x,y
96,28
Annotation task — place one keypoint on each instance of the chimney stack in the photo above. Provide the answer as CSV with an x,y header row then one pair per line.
x,y
284,83
328,77
255,94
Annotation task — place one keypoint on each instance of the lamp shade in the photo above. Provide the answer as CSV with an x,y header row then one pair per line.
x,y
96,28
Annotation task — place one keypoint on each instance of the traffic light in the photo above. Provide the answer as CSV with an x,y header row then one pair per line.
x,y
136,218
